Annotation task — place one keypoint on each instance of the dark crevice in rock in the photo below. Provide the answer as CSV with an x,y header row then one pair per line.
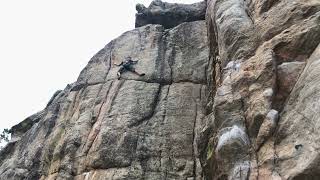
x,y
160,62
282,94
194,155
267,5
309,176
78,87
249,14
172,82
163,120
89,142
101,56
109,59
209,83
274,103
162,83
171,62
292,51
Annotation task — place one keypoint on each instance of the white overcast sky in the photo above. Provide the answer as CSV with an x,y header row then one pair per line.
x,y
44,44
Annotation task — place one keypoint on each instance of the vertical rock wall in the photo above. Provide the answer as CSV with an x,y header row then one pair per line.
x,y
134,128
264,113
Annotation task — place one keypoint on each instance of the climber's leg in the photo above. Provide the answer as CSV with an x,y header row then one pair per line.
x,y
131,69
121,70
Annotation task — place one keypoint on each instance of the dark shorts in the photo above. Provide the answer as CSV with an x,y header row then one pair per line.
x,y
126,68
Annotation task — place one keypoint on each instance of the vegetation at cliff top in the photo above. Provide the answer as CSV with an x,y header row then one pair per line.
x,y
4,136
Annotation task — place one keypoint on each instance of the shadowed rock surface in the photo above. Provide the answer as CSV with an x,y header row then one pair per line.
x,y
169,14
233,97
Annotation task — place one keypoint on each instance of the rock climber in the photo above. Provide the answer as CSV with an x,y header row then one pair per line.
x,y
127,65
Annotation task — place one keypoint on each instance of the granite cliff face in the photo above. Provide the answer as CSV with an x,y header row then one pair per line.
x,y
234,96
266,102
135,128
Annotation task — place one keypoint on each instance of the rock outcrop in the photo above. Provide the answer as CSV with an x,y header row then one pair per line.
x,y
233,97
169,15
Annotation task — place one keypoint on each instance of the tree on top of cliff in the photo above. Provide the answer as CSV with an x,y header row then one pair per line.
x,y
4,136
